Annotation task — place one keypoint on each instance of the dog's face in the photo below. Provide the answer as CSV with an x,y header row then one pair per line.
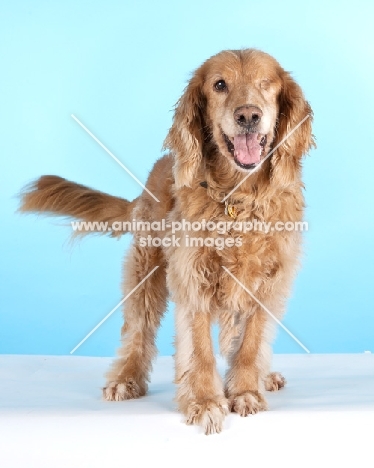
x,y
245,104
241,92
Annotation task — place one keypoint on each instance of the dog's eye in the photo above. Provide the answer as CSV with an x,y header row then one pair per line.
x,y
265,84
220,85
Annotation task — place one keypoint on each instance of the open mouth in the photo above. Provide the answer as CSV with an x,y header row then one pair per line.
x,y
246,149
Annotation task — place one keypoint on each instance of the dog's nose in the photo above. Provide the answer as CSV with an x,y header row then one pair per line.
x,y
247,116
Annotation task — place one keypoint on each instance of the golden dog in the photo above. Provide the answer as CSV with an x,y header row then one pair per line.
x,y
239,115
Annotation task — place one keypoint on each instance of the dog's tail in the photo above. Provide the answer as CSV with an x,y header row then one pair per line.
x,y
97,210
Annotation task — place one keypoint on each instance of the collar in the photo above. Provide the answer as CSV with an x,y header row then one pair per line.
x,y
230,209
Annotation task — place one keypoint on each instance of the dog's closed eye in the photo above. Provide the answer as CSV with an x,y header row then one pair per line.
x,y
265,84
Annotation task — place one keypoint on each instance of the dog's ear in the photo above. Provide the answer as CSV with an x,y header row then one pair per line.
x,y
294,138
186,137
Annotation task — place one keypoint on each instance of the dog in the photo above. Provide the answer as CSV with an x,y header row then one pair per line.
x,y
233,155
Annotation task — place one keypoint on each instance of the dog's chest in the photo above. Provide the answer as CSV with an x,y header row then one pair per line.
x,y
215,271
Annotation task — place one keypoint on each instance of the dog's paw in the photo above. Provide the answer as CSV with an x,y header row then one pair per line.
x,y
274,381
248,403
126,390
209,414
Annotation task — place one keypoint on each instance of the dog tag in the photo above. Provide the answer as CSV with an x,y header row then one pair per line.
x,y
230,210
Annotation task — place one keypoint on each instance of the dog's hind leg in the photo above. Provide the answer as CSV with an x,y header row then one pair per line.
x,y
274,381
143,311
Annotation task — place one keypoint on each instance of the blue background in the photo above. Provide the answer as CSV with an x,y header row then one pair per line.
x,y
114,63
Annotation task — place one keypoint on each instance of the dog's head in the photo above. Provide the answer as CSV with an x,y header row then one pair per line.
x,y
246,105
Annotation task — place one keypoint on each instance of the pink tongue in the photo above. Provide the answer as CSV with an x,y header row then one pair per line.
x,y
247,149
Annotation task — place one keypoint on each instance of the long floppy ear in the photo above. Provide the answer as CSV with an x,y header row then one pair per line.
x,y
186,137
294,138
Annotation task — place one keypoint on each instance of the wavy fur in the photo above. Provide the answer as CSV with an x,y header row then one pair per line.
x,y
190,183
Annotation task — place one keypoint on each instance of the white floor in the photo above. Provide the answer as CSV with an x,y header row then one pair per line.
x,y
52,415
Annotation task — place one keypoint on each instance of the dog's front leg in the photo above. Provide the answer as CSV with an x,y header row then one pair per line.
x,y
200,393
249,366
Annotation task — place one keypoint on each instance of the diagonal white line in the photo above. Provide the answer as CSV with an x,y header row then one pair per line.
x,y
267,310
116,159
267,156
113,310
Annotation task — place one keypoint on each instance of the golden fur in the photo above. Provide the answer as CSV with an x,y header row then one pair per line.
x,y
202,290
